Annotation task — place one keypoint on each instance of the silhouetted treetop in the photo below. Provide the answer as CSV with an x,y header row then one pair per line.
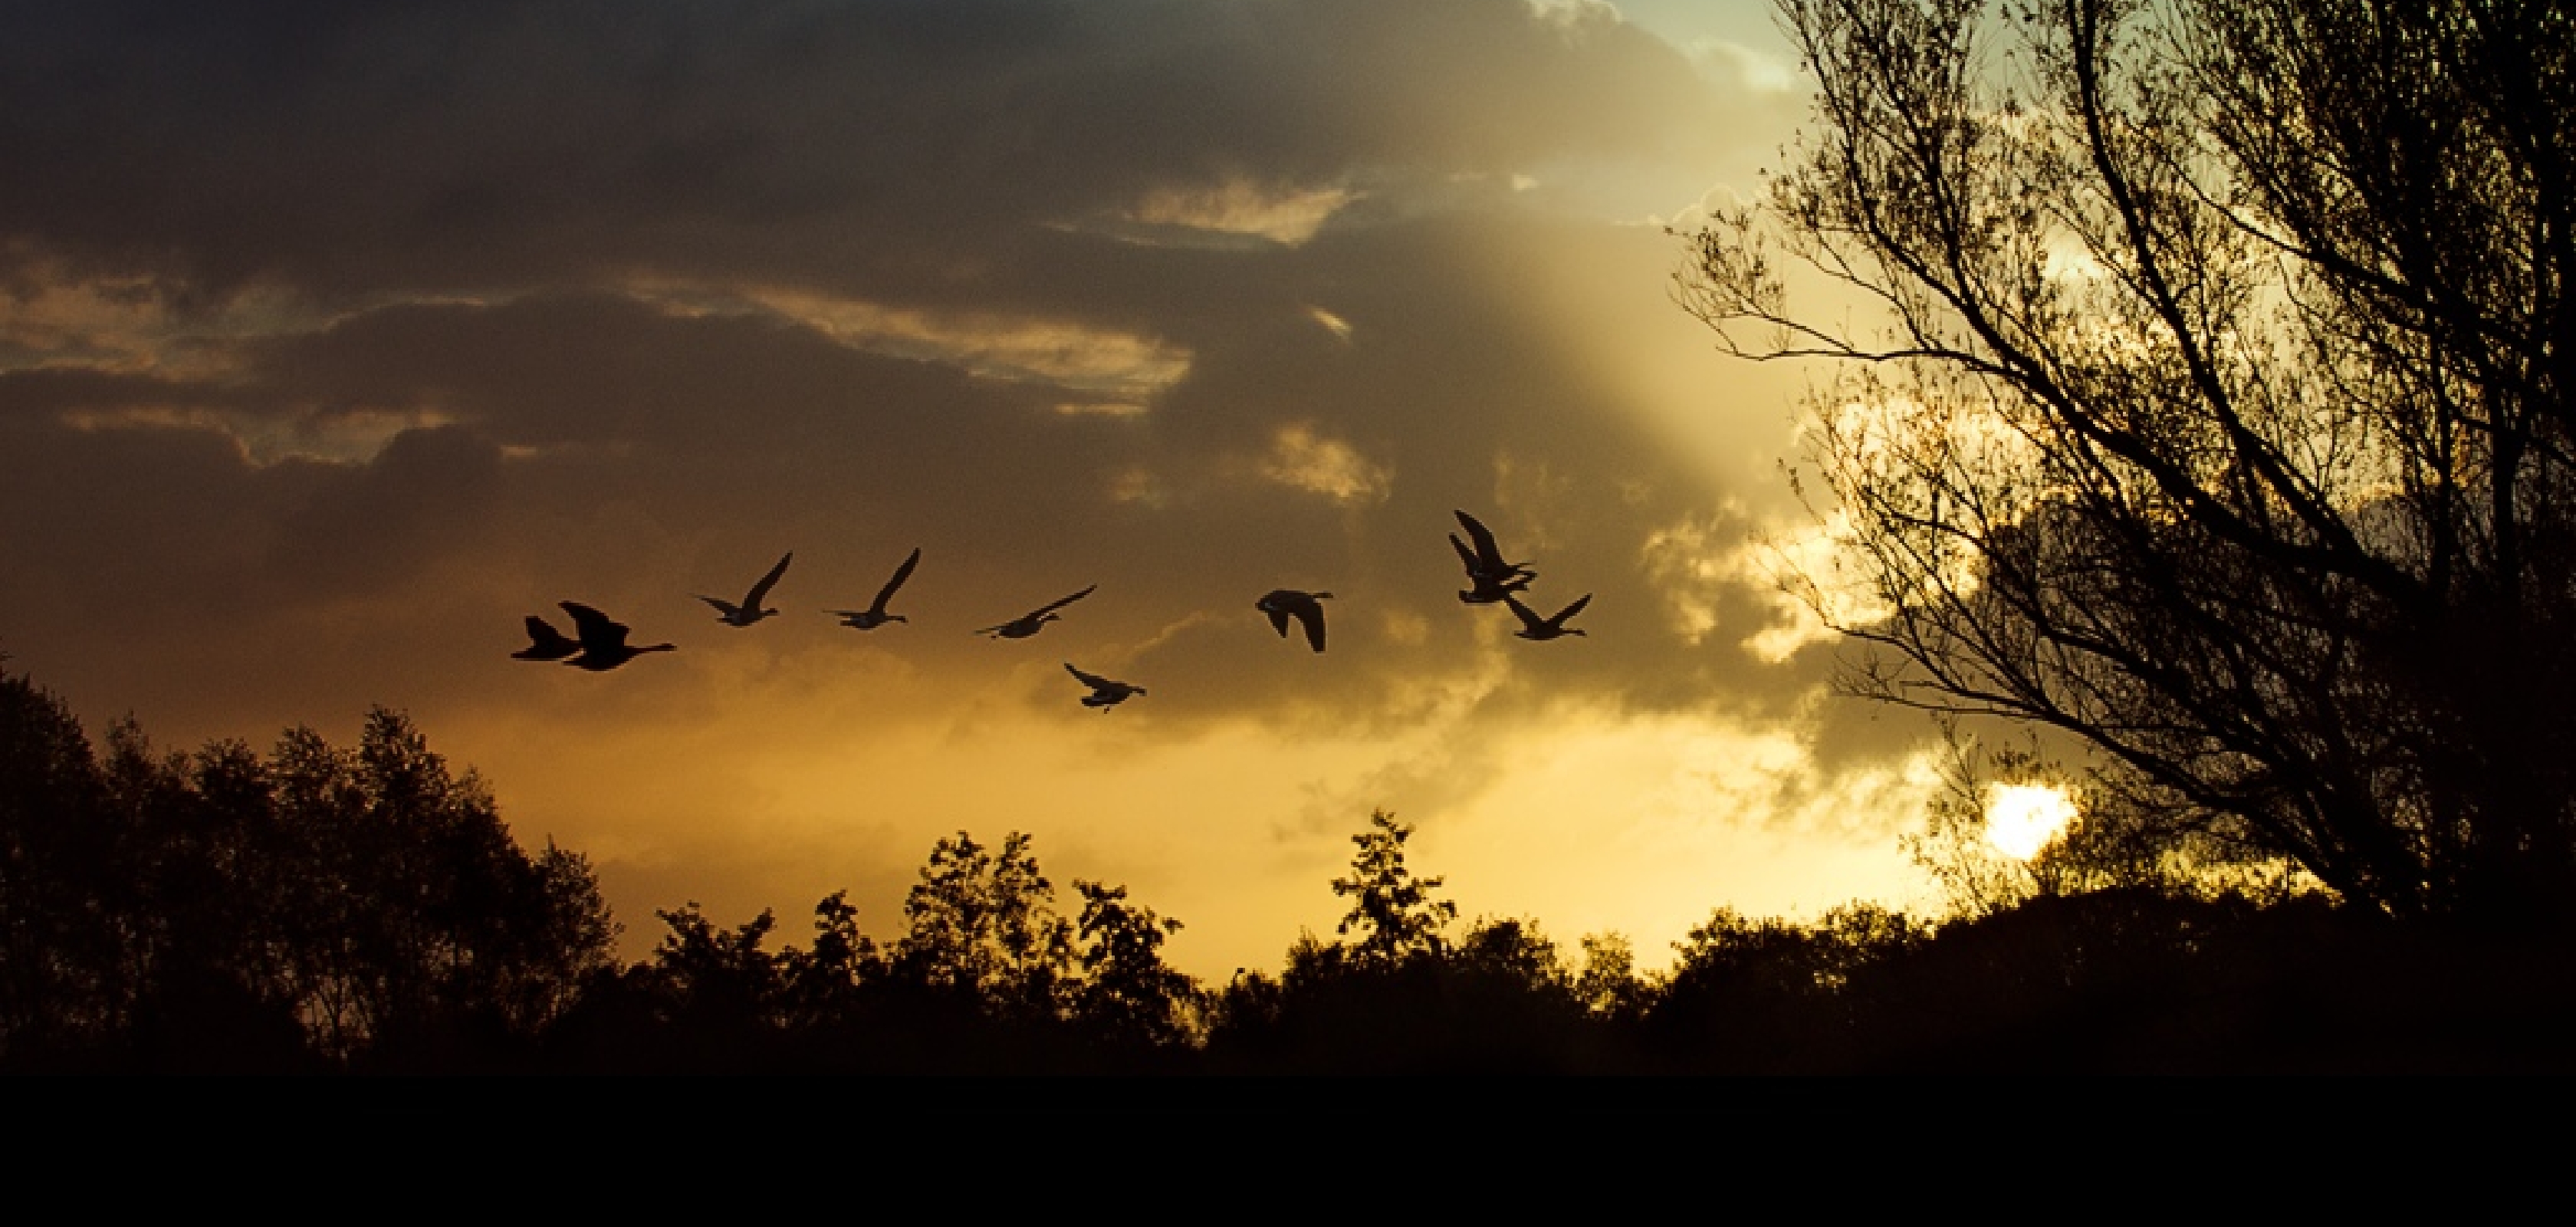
x,y
361,908
1393,912
983,922
1129,995
224,910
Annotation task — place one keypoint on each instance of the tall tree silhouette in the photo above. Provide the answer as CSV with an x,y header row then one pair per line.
x,y
416,909
2222,416
1394,913
982,922
221,910
63,973
1401,997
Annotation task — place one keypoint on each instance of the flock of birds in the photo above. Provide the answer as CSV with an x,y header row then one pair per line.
x,y
598,642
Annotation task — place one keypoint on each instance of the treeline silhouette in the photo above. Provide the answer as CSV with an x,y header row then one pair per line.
x,y
317,909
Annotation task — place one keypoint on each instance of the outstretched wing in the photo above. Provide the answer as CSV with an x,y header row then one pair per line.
x,y
1488,554
1093,680
596,629
751,602
1528,619
1311,615
545,642
1052,606
1466,556
1571,610
901,574
1278,619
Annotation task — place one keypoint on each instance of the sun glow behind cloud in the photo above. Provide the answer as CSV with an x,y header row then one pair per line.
x,y
2022,819
1305,460
1288,216
1814,580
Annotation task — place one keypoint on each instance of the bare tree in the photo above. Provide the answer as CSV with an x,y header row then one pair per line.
x,y
2211,403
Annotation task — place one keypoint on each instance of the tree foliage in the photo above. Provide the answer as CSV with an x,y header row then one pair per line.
x,y
983,922
2222,412
1395,914
362,909
1128,994
360,904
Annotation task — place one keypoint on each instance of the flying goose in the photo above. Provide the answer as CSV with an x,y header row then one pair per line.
x,y
545,642
1306,607
603,641
1105,694
1027,624
1540,630
1492,575
1486,590
875,615
750,611
1489,562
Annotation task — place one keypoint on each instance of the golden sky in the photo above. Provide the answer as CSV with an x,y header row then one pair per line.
x,y
333,343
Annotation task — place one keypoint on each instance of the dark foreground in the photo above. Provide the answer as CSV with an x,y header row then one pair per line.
x,y
319,910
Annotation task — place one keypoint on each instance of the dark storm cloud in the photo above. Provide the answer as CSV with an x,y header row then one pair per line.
x,y
46,392
959,154
171,535
911,147
732,437
597,367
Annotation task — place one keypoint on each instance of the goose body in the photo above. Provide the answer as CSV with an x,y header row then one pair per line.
x,y
1492,576
1030,623
1306,607
875,615
1105,694
1486,591
603,640
545,642
750,611
1539,630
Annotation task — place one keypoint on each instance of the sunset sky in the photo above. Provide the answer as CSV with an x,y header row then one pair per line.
x,y
337,337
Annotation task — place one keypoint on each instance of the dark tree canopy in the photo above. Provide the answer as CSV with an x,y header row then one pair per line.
x,y
2222,415
327,909
225,909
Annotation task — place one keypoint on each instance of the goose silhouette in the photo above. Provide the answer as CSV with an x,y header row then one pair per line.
x,y
1486,591
1028,624
1492,576
545,642
1105,694
875,615
1489,561
1540,630
603,640
750,611
1306,607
